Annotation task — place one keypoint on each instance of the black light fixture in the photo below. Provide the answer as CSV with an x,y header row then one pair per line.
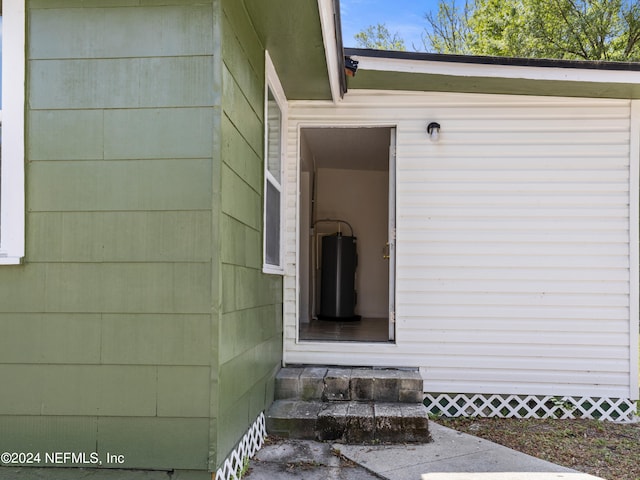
x,y
433,130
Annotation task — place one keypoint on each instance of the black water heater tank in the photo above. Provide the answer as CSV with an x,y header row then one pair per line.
x,y
338,289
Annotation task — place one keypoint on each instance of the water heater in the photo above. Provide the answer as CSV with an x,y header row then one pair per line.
x,y
338,281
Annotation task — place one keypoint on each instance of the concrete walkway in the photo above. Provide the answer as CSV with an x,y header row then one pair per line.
x,y
451,456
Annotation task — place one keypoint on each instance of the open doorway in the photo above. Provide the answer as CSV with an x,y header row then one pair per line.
x,y
347,225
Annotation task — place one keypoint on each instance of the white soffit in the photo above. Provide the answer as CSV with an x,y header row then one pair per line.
x,y
459,69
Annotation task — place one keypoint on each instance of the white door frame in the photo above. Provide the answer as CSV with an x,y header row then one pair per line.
x,y
392,219
392,235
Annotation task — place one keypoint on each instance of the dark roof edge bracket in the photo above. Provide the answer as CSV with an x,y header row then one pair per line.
x,y
351,66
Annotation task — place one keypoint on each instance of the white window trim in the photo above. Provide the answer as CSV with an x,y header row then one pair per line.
x,y
12,222
272,82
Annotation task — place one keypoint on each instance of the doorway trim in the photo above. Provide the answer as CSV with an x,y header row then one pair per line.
x,y
296,280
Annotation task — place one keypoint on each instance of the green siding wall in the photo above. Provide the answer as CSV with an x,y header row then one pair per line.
x,y
251,314
141,323
109,340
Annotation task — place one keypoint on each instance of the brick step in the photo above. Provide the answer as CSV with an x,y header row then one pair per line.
x,y
349,384
349,422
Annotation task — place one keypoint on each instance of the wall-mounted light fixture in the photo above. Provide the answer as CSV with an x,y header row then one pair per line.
x,y
433,130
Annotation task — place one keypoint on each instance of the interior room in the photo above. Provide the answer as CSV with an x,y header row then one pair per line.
x,y
344,232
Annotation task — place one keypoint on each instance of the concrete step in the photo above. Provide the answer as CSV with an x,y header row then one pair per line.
x,y
349,384
349,422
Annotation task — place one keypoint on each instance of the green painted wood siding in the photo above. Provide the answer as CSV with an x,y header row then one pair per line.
x,y
109,339
251,315
141,322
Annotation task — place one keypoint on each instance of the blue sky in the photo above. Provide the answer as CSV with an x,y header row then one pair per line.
x,y
404,17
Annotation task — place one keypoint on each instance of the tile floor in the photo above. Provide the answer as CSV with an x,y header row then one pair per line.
x,y
363,330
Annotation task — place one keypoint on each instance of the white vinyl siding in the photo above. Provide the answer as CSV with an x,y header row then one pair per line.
x,y
514,242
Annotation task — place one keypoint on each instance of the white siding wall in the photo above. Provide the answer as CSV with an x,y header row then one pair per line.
x,y
513,243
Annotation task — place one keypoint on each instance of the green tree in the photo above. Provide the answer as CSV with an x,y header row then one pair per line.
x,y
378,37
566,29
449,32
499,27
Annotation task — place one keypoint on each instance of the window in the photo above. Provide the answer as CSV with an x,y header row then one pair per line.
x,y
274,114
12,75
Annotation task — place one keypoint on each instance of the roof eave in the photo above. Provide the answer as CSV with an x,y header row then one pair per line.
x,y
384,70
302,38
332,37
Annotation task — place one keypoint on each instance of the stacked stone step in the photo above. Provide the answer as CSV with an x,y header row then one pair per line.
x,y
349,405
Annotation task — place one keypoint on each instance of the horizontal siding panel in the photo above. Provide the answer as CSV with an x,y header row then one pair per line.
x,y
157,442
543,356
524,139
244,115
122,83
427,299
549,226
426,198
412,273
161,236
237,61
239,200
46,339
127,287
173,381
427,177
55,433
553,126
516,286
516,187
523,131
138,339
405,101
528,325
23,289
513,261
526,235
49,131
530,150
239,156
74,83
510,311
410,114
534,376
121,185
94,390
417,161
154,133
547,387
121,32
236,23
503,212
485,341
577,365
512,248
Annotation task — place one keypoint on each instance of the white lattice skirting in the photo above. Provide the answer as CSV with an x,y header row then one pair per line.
x,y
531,406
246,449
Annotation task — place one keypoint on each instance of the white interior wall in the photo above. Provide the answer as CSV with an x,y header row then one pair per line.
x,y
360,197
